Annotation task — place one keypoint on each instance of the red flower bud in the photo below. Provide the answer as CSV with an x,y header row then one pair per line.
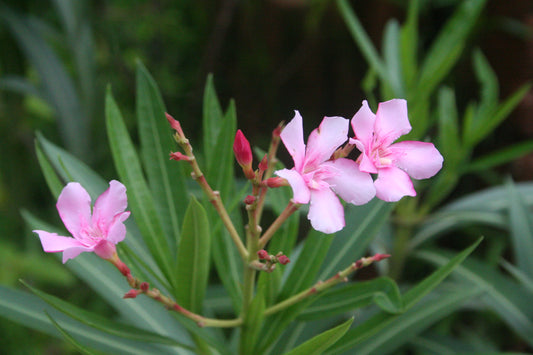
x,y
283,260
262,254
144,286
242,150
131,294
276,133
276,182
379,257
263,165
177,156
249,199
175,125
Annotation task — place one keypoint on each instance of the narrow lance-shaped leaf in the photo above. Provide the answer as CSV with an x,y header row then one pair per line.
x,y
322,342
212,119
192,268
165,177
252,323
139,197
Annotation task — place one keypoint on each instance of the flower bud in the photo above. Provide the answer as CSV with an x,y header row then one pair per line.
x,y
175,125
177,156
379,257
249,199
263,165
276,182
242,150
131,293
262,254
283,260
144,286
276,133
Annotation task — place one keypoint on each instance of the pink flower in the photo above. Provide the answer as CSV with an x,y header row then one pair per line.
x,y
315,178
96,233
394,163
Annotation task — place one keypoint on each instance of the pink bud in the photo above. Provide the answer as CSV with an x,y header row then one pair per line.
x,y
283,260
242,150
379,257
276,182
144,286
263,165
249,199
276,133
177,156
262,254
175,125
131,294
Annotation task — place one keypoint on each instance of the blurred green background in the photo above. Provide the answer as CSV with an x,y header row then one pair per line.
x,y
272,57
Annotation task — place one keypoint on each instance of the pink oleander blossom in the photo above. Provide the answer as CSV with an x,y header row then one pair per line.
x,y
98,232
315,178
394,163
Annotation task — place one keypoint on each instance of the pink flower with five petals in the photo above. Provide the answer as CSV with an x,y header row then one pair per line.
x,y
316,179
394,163
98,232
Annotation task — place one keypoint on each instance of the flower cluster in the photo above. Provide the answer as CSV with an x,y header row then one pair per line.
x,y
319,172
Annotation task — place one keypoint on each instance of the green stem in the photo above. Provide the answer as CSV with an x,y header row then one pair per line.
x,y
320,286
287,212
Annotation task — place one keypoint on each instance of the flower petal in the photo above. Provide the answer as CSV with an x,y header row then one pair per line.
x,y
301,193
117,230
293,139
110,203
105,249
420,160
351,184
74,207
325,211
392,184
391,121
73,252
323,141
52,242
363,124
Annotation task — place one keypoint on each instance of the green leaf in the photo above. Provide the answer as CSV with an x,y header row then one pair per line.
x,y
356,295
378,322
362,224
449,137
139,197
409,43
253,323
52,180
521,224
392,58
95,321
57,86
505,297
362,40
212,121
192,268
166,178
417,319
448,46
82,349
500,157
28,310
322,342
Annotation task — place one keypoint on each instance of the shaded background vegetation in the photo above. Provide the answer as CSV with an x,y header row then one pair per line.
x,y
270,56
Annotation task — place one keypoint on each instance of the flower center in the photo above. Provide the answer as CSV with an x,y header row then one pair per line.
x,y
380,155
91,236
315,178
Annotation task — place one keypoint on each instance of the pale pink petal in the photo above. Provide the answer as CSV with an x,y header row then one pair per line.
x,y
351,184
293,139
391,121
73,252
301,193
420,160
325,211
52,242
323,141
392,184
363,124
110,203
117,230
74,207
105,249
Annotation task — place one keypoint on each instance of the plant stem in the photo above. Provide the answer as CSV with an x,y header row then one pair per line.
x,y
320,286
287,212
